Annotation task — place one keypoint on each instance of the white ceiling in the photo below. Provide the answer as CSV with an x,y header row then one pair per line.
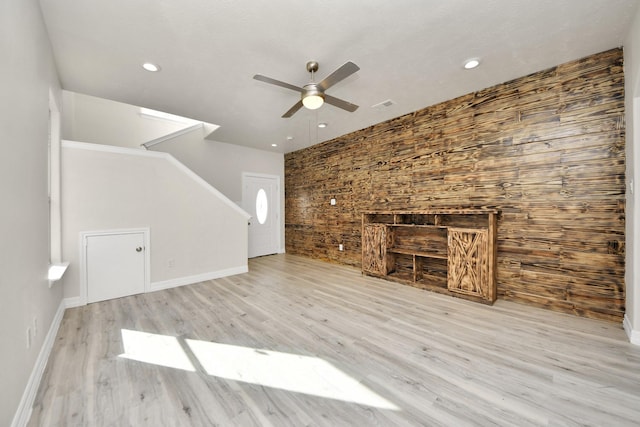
x,y
409,51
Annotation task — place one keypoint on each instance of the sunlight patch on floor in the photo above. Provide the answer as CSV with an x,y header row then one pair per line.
x,y
292,372
285,371
156,349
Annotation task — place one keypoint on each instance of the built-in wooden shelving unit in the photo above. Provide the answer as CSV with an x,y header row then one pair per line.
x,y
451,251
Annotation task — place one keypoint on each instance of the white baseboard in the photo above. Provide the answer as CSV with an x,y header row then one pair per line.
x,y
634,335
21,418
172,283
23,413
189,280
73,302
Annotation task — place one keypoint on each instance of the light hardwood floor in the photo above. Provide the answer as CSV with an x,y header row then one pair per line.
x,y
384,355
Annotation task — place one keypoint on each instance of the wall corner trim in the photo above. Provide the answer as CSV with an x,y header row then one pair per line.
x,y
634,335
23,414
189,280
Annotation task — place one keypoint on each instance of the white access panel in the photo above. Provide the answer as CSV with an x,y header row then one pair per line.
x,y
115,265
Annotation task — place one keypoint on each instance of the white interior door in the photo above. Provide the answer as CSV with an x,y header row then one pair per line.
x,y
115,265
261,197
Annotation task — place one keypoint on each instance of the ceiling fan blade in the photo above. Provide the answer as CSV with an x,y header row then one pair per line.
x,y
292,110
340,74
340,103
277,82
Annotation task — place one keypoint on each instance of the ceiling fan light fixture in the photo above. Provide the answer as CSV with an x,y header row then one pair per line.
x,y
313,102
312,97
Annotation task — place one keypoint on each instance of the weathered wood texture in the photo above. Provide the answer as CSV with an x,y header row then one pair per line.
x,y
374,249
449,251
469,262
547,150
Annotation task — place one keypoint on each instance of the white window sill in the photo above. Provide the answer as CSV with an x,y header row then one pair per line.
x,y
56,271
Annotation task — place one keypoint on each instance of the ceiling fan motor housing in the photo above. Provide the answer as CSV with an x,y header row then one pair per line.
x,y
312,89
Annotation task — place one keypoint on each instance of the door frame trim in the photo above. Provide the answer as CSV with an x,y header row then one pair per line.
x,y
277,208
84,282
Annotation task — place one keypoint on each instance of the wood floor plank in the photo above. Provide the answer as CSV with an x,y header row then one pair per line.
x,y
427,359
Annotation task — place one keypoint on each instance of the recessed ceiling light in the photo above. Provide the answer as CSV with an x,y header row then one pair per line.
x,y
322,125
471,63
150,67
289,138
274,145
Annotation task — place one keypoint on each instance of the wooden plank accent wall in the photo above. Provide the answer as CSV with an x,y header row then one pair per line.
x,y
547,150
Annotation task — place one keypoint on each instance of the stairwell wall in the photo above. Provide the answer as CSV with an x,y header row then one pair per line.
x,y
196,232
102,121
222,165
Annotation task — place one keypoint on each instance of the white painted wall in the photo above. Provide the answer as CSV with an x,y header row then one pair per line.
x,y
222,165
27,74
632,108
102,121
196,232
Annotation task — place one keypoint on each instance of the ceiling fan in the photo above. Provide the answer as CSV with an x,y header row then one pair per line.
x,y
312,95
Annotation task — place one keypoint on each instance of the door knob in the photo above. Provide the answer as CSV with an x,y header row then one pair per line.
x,y
139,249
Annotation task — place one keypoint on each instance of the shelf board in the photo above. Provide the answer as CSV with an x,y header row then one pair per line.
x,y
405,277
418,226
427,282
418,253
430,279
471,211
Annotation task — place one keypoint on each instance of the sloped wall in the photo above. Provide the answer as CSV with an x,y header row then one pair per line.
x,y
547,150
222,165
195,231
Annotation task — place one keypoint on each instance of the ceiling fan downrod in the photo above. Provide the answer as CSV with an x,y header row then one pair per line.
x,y
312,96
312,67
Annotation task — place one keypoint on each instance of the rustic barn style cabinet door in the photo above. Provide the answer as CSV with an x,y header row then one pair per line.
x,y
468,266
376,239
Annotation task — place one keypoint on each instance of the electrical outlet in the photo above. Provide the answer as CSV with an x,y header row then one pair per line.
x,y
171,263
28,338
341,247
333,202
